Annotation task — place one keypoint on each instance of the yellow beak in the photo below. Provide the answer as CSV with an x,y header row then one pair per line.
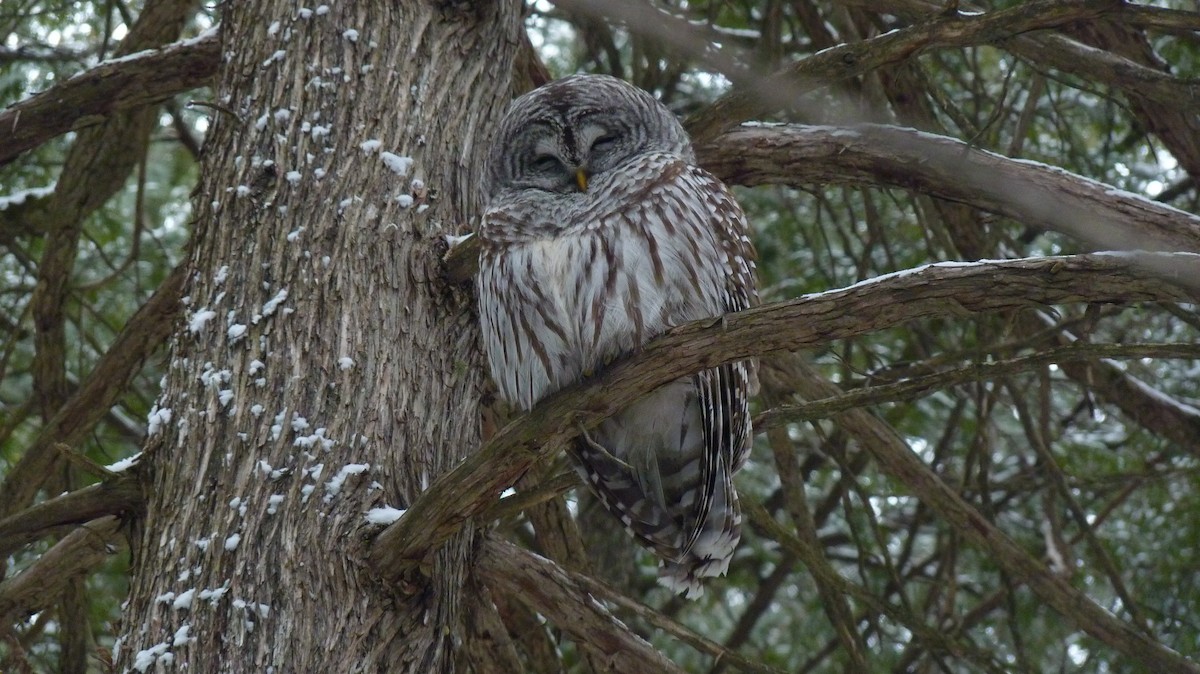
x,y
581,180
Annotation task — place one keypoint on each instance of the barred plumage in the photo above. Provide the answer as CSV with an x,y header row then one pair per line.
x,y
600,234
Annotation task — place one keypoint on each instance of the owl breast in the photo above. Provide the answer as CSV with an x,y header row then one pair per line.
x,y
582,283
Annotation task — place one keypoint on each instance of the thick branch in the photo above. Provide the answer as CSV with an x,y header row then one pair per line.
x,y
111,497
1039,195
936,290
551,591
125,83
1036,194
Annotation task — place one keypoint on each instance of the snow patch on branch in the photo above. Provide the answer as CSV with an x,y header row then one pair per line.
x,y
18,198
127,463
384,516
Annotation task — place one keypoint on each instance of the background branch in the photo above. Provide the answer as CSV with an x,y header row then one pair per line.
x,y
126,83
551,591
45,580
143,334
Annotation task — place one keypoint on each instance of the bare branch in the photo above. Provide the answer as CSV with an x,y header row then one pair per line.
x,y
914,387
896,458
828,581
551,591
782,89
1139,401
1176,21
824,574
82,505
120,84
653,23
681,632
145,332
1067,55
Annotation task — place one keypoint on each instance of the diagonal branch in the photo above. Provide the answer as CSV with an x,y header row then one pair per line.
x,y
914,387
550,590
1154,93
111,497
954,289
601,591
810,552
1161,414
897,459
40,585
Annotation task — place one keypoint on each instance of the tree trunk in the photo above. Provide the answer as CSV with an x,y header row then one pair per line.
x,y
323,367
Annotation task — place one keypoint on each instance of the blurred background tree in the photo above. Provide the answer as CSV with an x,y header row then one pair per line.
x,y
1073,428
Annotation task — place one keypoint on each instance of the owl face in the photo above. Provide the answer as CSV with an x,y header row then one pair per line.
x,y
570,135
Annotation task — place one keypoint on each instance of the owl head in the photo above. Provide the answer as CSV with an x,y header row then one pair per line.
x,y
571,134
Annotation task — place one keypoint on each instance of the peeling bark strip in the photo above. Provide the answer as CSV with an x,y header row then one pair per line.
x,y
319,355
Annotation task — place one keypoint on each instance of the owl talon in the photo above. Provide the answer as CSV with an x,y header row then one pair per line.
x,y
601,450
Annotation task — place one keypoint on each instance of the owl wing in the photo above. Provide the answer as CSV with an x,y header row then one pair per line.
x,y
673,491
723,395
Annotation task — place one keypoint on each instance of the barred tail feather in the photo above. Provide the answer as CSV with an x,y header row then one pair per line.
x,y
682,562
614,484
662,467
710,554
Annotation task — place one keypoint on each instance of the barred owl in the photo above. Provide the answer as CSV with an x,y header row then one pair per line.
x,y
601,233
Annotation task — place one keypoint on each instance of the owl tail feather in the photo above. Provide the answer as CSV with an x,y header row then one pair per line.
x,y
710,554
688,550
